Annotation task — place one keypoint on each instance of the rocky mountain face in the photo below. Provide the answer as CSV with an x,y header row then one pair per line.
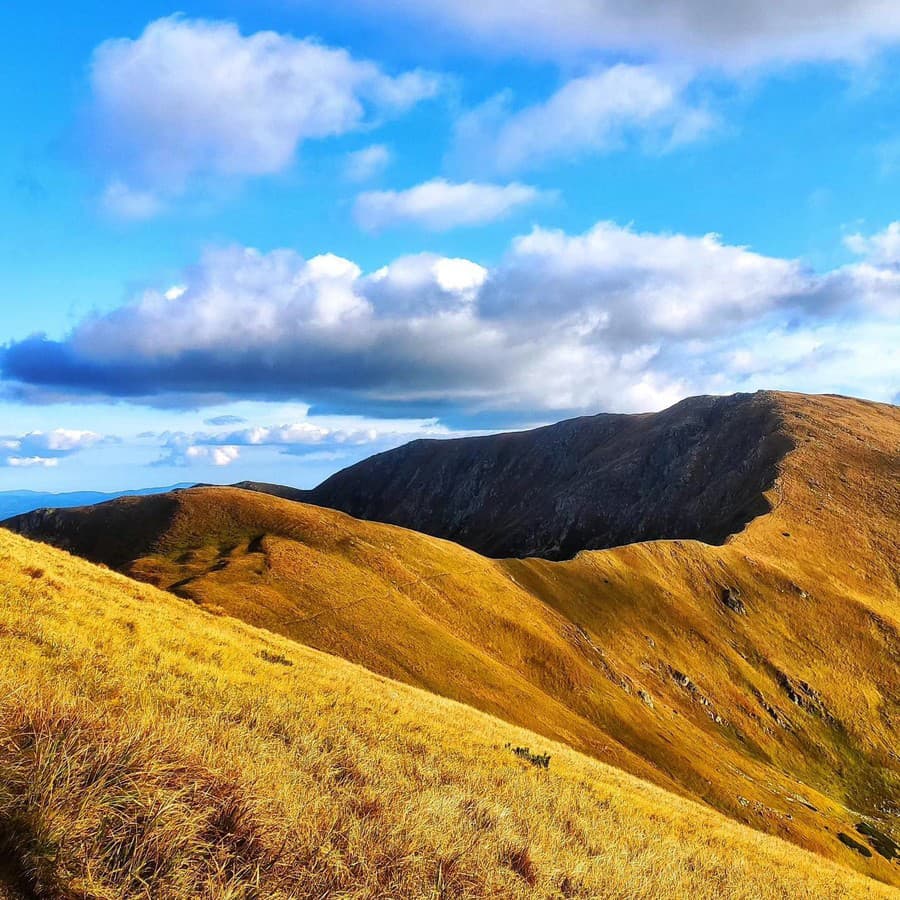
x,y
696,470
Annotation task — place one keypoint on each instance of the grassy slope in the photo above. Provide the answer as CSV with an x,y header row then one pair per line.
x,y
150,749
784,717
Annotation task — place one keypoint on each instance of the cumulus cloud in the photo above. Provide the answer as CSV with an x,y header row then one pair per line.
x,y
881,248
853,356
31,462
750,33
218,456
194,98
610,319
594,113
440,205
320,439
300,433
633,287
425,284
181,451
368,163
46,448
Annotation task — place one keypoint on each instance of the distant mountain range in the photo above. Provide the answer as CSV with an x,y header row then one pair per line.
x,y
14,503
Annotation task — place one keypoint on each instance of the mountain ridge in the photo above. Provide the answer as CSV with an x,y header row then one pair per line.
x,y
747,674
697,470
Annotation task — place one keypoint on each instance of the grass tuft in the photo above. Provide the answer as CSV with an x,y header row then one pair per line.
x,y
277,658
539,760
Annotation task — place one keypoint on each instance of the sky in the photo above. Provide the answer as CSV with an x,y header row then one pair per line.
x,y
263,240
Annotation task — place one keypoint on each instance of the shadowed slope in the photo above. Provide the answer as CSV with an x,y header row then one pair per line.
x,y
148,749
760,676
697,470
118,531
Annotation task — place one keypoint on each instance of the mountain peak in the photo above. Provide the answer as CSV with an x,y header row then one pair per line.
x,y
698,470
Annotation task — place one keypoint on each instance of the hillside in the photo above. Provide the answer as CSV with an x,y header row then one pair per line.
x,y
761,676
149,749
696,471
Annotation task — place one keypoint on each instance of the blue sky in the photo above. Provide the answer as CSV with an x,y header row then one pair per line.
x,y
262,240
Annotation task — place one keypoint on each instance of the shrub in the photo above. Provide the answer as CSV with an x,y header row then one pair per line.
x,y
540,760
276,658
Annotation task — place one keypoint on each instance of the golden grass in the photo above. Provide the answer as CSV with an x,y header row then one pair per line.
x,y
784,717
149,749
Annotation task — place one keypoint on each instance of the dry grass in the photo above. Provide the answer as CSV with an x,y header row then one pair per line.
x,y
784,716
148,749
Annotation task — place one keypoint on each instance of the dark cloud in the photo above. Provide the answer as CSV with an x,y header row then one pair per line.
x,y
732,35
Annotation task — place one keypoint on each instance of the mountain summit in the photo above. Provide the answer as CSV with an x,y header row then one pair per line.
x,y
698,470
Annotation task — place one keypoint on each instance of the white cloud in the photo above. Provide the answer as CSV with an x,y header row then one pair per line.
x,y
32,462
708,31
612,318
66,440
633,286
192,98
59,440
875,287
858,357
440,205
424,284
129,204
368,163
218,456
46,448
594,113
881,248
174,292
297,435
326,437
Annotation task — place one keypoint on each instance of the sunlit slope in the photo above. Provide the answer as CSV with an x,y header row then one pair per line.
x,y
148,749
762,676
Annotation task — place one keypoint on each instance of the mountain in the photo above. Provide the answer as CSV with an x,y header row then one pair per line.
x,y
14,503
760,676
276,490
698,470
150,749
